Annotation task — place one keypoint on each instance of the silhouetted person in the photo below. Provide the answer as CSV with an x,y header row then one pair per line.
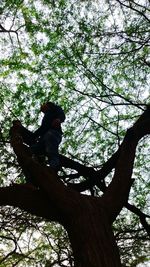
x,y
46,139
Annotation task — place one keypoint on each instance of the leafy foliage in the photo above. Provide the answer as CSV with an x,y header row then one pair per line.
x,y
91,57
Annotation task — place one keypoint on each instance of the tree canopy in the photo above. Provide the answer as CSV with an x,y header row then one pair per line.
x,y
92,58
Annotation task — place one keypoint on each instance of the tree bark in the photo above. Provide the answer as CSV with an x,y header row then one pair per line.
x,y
88,224
91,236
87,219
29,199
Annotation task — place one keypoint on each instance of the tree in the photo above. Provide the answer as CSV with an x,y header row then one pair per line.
x,y
95,61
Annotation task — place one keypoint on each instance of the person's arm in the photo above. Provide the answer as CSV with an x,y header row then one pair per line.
x,y
27,136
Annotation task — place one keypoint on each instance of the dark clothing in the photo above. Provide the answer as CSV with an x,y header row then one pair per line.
x,y
49,137
48,118
48,146
46,139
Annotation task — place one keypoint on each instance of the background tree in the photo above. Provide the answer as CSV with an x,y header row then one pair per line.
x,y
92,58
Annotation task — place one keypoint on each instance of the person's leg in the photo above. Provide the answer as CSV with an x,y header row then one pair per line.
x,y
52,140
38,151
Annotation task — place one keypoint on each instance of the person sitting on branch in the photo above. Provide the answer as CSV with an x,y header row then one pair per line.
x,y
46,139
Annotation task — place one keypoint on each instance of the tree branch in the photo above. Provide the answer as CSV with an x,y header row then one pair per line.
x,y
58,194
141,215
94,177
134,9
96,180
29,199
117,192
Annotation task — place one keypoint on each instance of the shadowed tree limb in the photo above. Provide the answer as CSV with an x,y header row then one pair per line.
x,y
140,128
130,6
96,180
94,177
84,217
58,194
29,199
141,215
116,195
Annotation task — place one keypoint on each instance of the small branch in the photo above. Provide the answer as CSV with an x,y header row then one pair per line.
x,y
11,252
134,9
94,177
142,216
2,29
106,129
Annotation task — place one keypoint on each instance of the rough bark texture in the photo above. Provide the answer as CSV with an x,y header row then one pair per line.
x,y
91,236
87,219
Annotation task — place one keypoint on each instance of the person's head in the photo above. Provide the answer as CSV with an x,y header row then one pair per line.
x,y
47,106
16,123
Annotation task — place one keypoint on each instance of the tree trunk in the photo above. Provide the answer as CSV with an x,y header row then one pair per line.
x,y
87,219
91,237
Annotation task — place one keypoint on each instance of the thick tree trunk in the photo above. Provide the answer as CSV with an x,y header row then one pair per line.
x,y
91,237
87,219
